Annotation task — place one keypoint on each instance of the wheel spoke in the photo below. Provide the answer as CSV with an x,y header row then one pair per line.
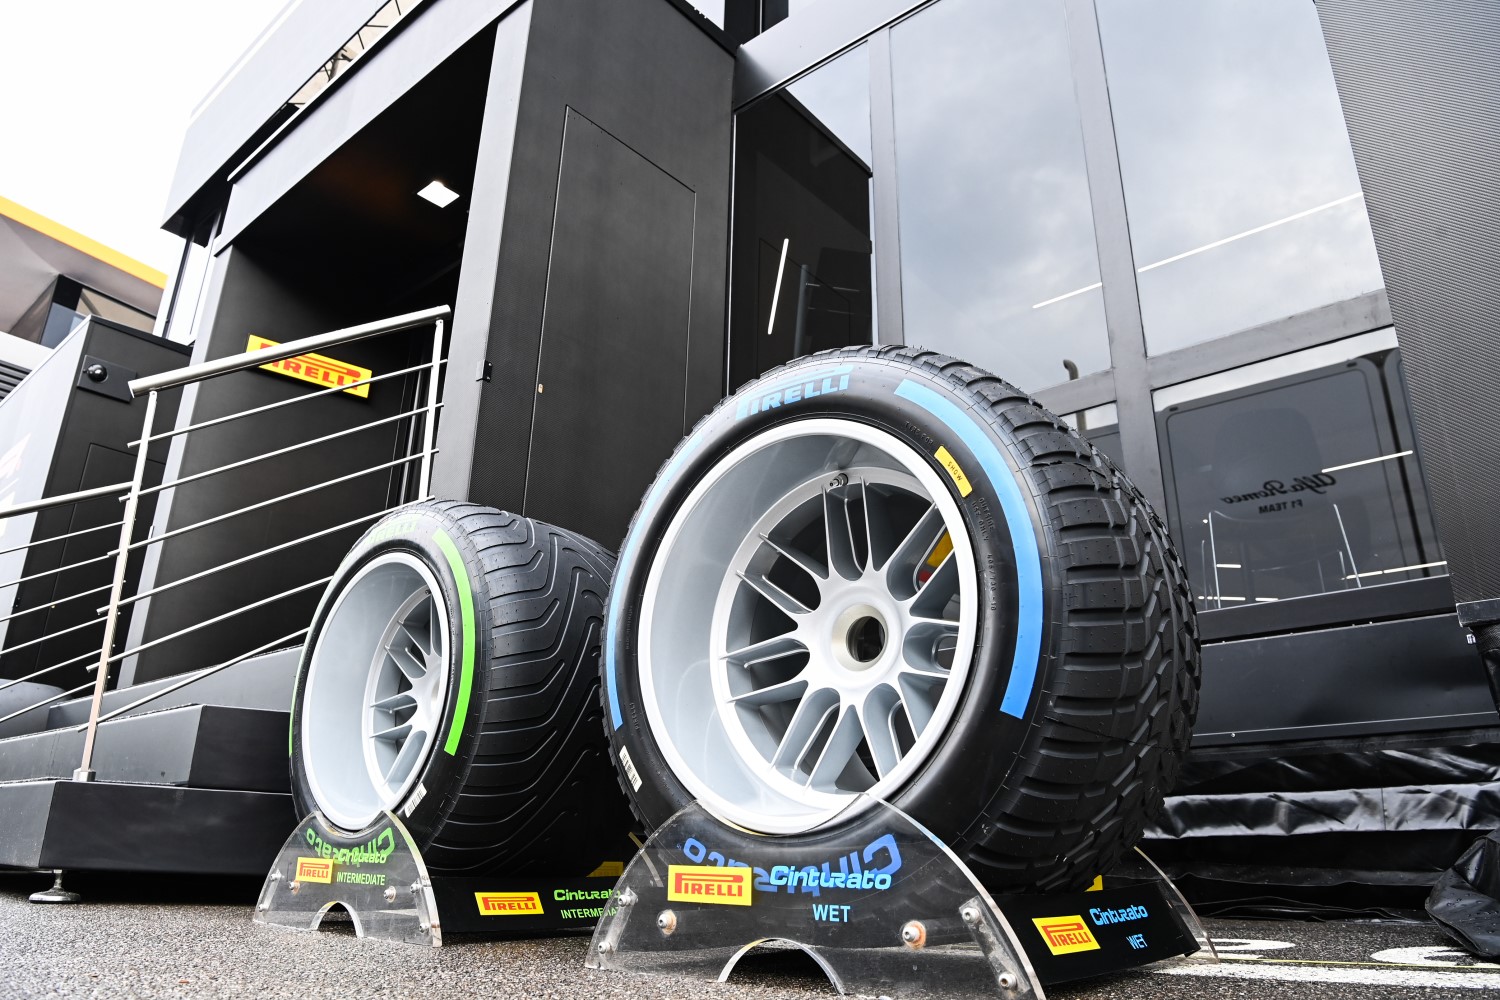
x,y
798,558
402,656
406,758
843,743
399,702
918,699
901,568
878,737
879,528
806,722
774,648
933,597
395,734
772,693
839,533
783,601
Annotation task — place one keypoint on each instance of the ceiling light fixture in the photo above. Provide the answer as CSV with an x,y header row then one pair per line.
x,y
439,194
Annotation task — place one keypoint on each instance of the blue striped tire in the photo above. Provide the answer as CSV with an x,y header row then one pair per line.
x,y
1076,681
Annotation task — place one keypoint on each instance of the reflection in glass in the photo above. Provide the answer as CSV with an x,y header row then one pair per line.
x,y
1297,476
1240,185
801,265
996,222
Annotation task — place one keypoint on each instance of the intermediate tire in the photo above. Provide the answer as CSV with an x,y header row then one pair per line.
x,y
883,572
451,676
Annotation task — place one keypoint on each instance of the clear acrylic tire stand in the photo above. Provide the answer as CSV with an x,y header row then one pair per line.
x,y
379,877
883,907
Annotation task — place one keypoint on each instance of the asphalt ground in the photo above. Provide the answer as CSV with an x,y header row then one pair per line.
x,y
164,937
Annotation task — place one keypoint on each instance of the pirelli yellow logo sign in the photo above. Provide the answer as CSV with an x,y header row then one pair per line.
x,y
507,904
315,368
314,870
708,884
1065,935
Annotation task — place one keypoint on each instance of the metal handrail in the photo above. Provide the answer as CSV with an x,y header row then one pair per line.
x,y
133,492
221,567
331,390
276,500
288,450
35,543
32,506
291,349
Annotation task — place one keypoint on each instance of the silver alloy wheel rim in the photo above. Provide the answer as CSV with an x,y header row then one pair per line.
x,y
376,688
783,676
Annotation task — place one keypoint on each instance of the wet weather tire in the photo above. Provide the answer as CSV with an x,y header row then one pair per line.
x,y
451,676
883,572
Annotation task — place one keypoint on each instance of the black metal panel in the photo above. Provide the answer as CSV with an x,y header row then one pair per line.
x,y
645,74
64,438
1421,95
616,323
255,294
1397,676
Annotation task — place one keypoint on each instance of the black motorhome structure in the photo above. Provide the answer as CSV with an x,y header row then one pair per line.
x,y
1148,214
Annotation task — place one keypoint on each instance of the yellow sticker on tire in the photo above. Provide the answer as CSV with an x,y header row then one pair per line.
x,y
951,464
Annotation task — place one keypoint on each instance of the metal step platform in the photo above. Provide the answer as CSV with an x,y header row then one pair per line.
x,y
198,746
192,781
130,827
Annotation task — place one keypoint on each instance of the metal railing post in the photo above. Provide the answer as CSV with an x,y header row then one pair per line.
x,y
429,422
132,499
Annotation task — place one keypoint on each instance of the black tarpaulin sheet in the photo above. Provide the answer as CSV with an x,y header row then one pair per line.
x,y
1376,824
1465,901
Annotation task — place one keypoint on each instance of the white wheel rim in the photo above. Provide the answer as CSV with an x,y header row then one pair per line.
x,y
377,685
784,676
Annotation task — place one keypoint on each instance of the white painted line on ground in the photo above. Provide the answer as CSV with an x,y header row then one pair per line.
x,y
1345,976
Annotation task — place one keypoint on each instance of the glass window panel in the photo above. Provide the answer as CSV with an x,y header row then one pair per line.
x,y
998,263
802,271
1297,476
1240,185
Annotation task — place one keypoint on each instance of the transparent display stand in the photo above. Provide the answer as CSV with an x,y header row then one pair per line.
x,y
379,877
883,907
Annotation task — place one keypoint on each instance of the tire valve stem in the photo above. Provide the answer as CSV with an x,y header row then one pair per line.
x,y
838,481
914,934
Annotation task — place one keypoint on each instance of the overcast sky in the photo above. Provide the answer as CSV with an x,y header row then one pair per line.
x,y
95,96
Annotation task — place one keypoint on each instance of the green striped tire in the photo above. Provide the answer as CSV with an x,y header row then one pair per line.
x,y
451,676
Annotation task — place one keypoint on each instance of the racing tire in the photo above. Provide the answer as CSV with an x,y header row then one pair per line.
x,y
880,573
450,676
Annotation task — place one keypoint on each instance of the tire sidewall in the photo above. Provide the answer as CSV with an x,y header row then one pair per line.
x,y
972,761
415,531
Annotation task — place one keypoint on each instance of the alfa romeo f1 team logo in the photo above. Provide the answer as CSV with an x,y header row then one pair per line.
x,y
709,884
1065,935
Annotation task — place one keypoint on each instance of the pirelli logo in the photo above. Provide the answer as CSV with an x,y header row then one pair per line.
x,y
508,904
709,884
1065,935
315,368
314,870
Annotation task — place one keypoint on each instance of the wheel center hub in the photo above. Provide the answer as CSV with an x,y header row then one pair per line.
x,y
860,636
